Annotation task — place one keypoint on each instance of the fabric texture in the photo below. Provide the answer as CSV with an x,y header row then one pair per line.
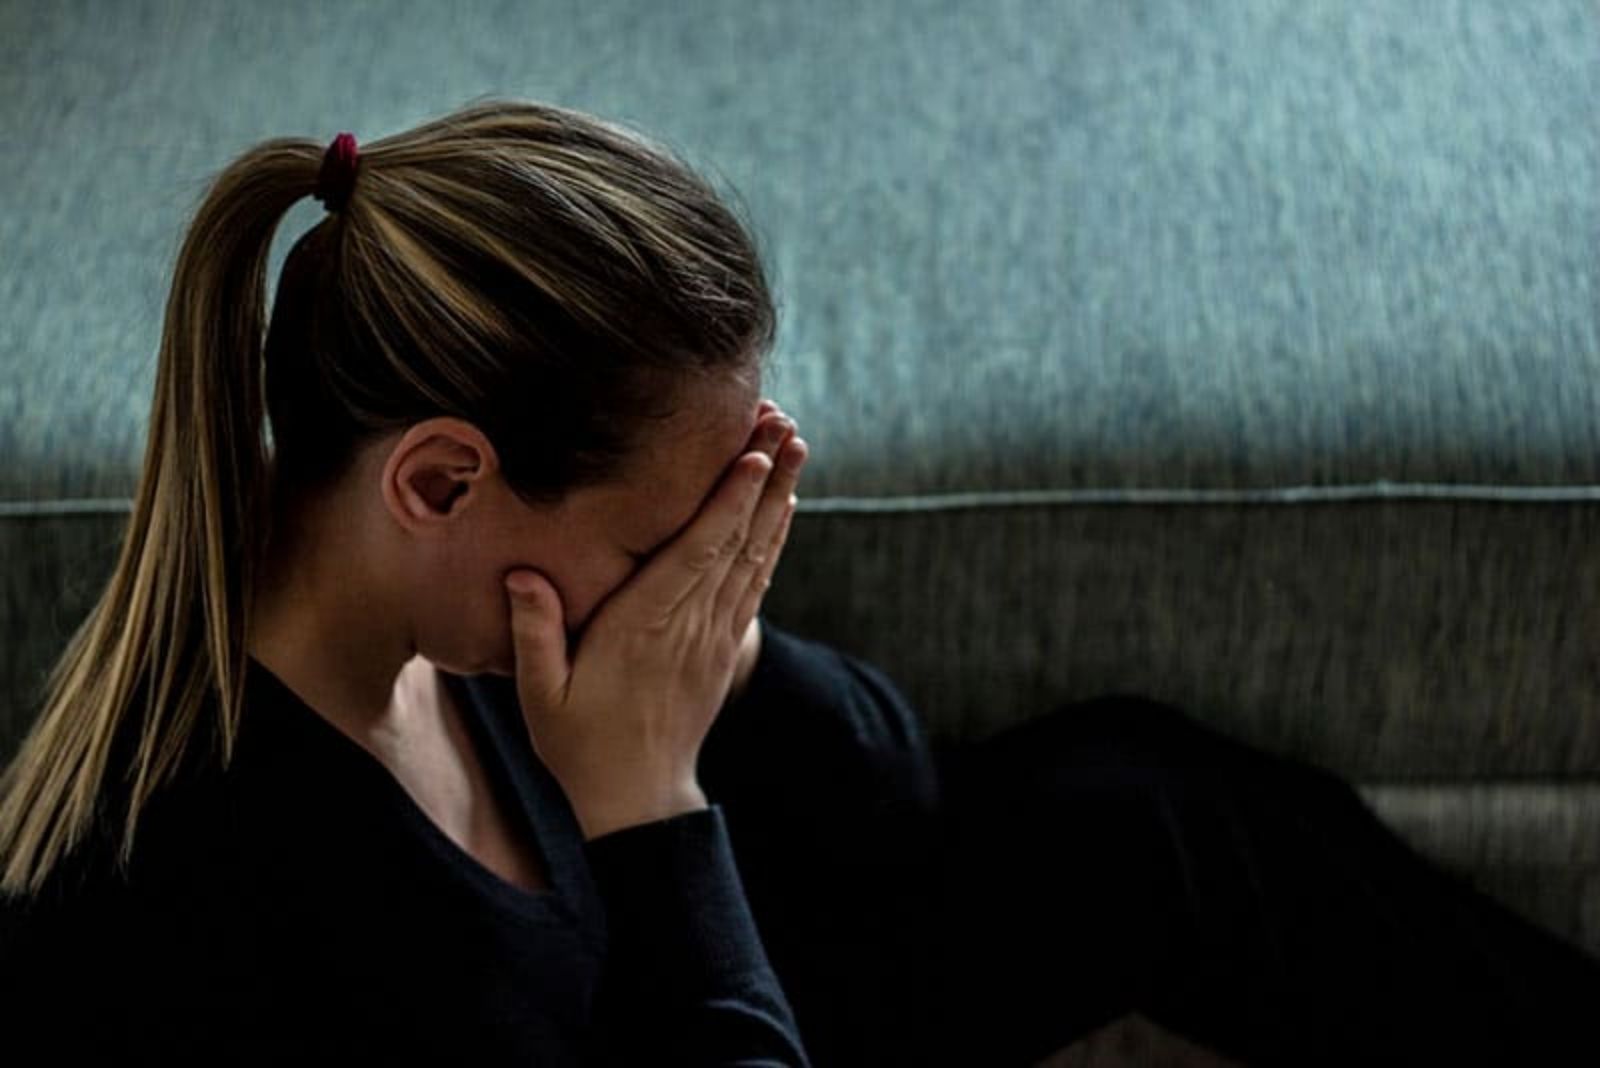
x,y
302,901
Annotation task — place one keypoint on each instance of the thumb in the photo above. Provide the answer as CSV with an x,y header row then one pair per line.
x,y
539,640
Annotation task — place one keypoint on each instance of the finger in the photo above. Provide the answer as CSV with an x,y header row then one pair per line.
x,y
538,639
769,434
769,513
703,552
762,580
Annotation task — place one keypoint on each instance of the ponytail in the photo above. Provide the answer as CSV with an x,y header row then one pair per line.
x,y
167,634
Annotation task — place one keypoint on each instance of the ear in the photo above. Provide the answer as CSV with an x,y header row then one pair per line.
x,y
436,470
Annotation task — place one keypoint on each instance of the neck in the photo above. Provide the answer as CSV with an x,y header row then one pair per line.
x,y
322,624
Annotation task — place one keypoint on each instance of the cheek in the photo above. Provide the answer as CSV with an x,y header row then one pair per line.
x,y
587,590
583,589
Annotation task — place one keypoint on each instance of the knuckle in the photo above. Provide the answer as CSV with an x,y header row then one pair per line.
x,y
703,557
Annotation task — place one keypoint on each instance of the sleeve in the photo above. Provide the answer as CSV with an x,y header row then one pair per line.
x,y
687,980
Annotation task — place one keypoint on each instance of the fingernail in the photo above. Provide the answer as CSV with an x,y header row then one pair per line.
x,y
774,432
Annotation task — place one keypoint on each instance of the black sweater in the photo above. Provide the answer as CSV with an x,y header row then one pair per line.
x,y
302,902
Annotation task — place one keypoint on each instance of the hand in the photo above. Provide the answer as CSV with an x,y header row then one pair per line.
x,y
620,722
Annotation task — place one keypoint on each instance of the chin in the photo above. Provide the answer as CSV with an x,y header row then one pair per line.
x,y
497,663
485,665
488,667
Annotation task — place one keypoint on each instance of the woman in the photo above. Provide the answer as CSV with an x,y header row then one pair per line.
x,y
433,726
515,366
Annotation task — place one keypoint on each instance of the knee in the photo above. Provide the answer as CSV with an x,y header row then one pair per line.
x,y
1124,715
1123,731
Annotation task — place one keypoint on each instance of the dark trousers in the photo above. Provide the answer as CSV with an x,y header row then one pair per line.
x,y
988,904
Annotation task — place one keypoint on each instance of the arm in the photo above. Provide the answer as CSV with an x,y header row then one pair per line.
x,y
687,981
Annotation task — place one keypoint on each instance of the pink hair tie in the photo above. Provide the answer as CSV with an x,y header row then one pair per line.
x,y
338,173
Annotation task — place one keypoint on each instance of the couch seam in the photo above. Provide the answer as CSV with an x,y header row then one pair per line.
x,y
1381,490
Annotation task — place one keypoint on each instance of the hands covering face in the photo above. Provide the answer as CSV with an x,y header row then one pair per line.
x,y
619,721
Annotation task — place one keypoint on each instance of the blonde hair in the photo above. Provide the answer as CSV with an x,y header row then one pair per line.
x,y
545,274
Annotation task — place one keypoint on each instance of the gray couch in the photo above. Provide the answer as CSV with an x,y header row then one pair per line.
x,y
1241,354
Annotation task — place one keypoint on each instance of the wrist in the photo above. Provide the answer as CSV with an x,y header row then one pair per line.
x,y
687,798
